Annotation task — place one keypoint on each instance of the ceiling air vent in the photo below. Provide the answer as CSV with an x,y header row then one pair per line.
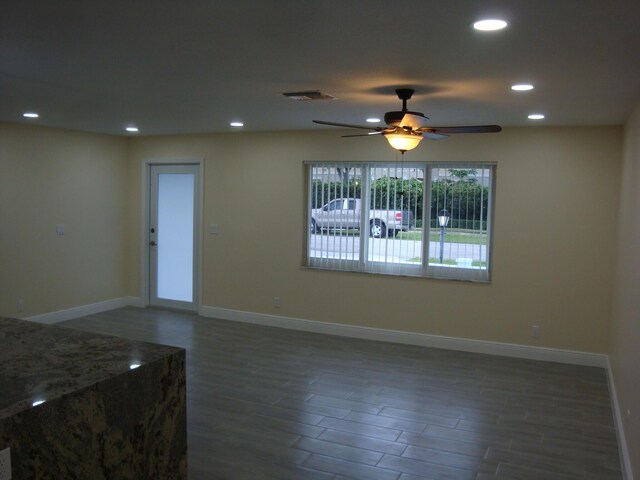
x,y
310,95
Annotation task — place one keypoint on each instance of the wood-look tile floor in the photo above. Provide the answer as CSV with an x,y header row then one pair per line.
x,y
269,403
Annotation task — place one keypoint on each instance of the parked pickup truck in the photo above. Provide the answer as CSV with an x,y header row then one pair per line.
x,y
344,214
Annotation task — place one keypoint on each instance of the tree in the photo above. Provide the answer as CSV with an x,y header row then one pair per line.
x,y
467,203
388,193
463,174
324,192
343,173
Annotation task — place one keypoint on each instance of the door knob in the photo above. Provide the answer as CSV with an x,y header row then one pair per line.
x,y
152,243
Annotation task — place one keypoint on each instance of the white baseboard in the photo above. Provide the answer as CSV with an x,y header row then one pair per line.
x,y
83,310
135,302
411,338
625,460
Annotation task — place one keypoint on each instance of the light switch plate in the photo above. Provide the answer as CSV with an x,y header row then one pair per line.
x,y
535,331
213,229
59,229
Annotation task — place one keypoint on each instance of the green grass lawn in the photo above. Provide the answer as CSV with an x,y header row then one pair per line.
x,y
452,237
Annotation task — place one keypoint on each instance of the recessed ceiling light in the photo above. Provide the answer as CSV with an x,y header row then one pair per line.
x,y
30,115
489,25
373,120
536,116
522,87
132,129
237,124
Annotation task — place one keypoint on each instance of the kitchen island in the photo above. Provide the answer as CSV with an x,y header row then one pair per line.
x,y
75,404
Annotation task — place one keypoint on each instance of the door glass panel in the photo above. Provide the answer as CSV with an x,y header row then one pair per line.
x,y
175,236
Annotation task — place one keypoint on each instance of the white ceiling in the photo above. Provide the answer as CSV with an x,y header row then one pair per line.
x,y
172,66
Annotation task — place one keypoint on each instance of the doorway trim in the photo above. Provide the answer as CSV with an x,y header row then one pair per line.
x,y
145,224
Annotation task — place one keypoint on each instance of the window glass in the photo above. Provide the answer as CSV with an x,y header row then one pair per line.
x,y
335,205
407,219
459,218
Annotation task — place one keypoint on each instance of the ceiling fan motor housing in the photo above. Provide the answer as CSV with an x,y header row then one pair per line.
x,y
393,119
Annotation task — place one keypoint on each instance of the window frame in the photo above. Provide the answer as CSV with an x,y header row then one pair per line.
x,y
425,269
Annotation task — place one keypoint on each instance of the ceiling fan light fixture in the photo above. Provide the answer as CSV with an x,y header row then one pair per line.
x,y
403,141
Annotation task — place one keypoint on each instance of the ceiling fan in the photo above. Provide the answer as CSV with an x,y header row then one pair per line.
x,y
406,129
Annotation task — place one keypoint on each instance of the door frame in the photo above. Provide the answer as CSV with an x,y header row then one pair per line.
x,y
145,225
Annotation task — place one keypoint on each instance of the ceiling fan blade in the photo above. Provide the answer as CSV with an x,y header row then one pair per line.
x,y
335,124
464,129
434,136
414,121
362,134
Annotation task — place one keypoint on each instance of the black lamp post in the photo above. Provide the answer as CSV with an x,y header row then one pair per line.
x,y
443,221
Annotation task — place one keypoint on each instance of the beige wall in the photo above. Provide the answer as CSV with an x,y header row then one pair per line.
x,y
555,231
625,337
48,177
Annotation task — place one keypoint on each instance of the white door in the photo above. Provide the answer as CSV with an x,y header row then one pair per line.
x,y
173,234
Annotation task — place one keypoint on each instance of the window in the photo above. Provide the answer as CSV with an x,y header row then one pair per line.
x,y
431,220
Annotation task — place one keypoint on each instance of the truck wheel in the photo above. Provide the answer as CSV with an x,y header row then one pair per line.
x,y
314,228
377,229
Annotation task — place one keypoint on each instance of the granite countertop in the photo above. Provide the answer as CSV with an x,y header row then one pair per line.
x,y
41,362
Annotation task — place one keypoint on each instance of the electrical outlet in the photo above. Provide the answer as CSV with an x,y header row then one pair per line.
x,y
5,464
535,331
20,305
276,302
